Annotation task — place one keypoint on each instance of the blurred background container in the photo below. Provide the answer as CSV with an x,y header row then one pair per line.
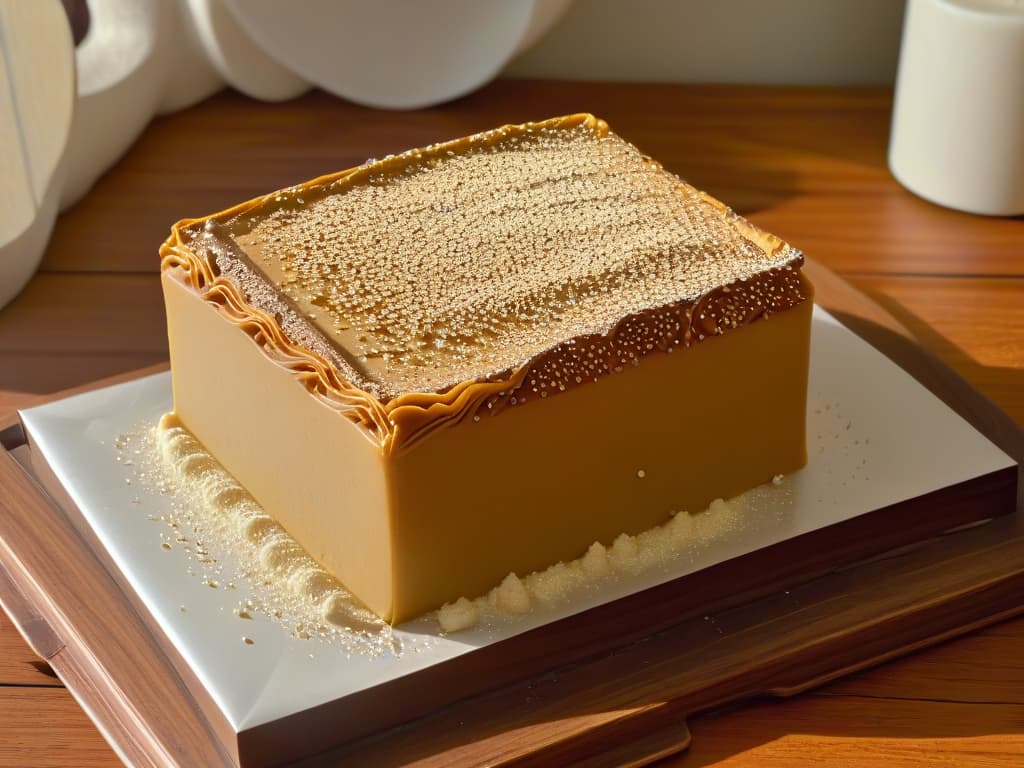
x,y
958,116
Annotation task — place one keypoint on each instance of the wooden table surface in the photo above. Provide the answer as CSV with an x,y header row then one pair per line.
x,y
806,164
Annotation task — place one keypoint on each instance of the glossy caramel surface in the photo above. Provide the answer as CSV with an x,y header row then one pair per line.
x,y
454,281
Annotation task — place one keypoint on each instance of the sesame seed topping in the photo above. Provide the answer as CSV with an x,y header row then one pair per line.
x,y
461,261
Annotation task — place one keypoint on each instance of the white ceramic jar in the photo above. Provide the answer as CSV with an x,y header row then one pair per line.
x,y
958,118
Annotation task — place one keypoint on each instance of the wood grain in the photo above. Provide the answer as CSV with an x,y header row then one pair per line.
x,y
897,234
800,161
807,163
971,323
858,733
44,727
951,672
122,646
856,726
28,376
86,314
964,319
18,664
12,399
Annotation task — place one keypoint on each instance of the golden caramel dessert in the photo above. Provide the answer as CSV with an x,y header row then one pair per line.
x,y
482,356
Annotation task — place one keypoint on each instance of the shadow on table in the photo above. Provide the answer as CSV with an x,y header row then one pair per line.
x,y
692,131
971,372
46,374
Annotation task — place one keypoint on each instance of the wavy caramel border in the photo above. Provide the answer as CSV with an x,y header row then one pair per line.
x,y
402,421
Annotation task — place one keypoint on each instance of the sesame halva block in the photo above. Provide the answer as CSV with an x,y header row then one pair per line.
x,y
482,356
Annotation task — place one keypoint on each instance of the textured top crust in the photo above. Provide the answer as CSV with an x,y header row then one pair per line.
x,y
474,274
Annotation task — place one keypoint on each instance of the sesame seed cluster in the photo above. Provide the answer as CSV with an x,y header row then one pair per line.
x,y
663,330
555,242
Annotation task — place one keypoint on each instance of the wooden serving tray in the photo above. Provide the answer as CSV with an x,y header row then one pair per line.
x,y
612,686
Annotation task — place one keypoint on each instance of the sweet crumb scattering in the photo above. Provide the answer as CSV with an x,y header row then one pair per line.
x,y
683,535
296,589
554,584
595,561
462,614
511,596
623,554
214,513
